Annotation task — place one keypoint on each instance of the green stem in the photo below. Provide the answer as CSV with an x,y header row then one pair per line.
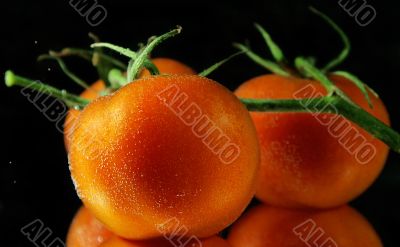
x,y
215,66
87,54
273,47
116,78
338,105
64,68
124,51
139,62
303,65
132,55
346,42
354,79
12,79
269,65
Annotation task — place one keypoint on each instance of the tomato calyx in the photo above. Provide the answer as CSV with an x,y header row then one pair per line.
x,y
140,59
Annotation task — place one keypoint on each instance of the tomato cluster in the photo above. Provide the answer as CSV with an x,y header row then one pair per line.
x,y
172,158
150,166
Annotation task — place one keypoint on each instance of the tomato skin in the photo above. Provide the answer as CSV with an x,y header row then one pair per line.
x,y
164,65
209,242
73,114
302,164
145,166
269,226
86,230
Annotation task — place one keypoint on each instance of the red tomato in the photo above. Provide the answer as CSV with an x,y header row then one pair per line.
x,y
164,149
305,163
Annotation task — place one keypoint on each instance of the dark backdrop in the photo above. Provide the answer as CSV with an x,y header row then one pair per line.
x,y
34,176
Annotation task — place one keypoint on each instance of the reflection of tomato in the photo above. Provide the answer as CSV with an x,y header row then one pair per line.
x,y
164,65
268,226
302,163
165,147
86,230
209,242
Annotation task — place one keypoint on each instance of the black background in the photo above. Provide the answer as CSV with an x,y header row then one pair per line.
x,y
34,176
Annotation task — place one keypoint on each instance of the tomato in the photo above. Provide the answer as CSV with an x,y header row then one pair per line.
x,y
268,226
86,230
308,163
165,66
209,242
162,149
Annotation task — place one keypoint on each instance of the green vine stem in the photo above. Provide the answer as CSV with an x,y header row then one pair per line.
x,y
361,85
64,68
140,59
276,52
319,105
309,70
88,54
137,64
346,42
269,65
71,100
215,66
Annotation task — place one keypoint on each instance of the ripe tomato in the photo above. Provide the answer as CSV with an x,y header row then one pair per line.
x,y
86,230
268,226
307,163
209,242
164,65
164,149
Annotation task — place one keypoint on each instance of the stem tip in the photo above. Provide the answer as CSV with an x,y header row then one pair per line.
x,y
9,78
